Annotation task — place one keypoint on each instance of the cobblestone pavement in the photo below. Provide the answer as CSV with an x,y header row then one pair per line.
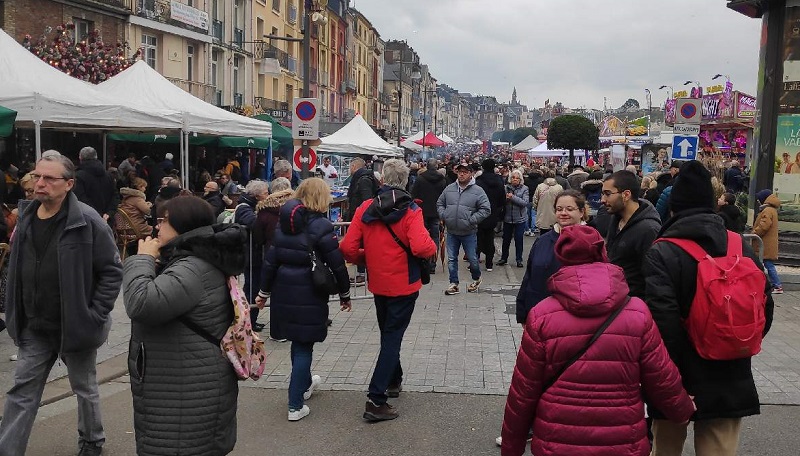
x,y
465,343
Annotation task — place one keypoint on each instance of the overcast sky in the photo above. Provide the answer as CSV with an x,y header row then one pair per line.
x,y
573,51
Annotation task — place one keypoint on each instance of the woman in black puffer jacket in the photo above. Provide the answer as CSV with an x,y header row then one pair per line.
x,y
297,312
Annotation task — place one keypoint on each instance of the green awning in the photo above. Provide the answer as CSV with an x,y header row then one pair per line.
x,y
279,133
248,143
219,141
7,118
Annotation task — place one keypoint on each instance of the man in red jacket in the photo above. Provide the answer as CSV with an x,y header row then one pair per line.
x,y
394,275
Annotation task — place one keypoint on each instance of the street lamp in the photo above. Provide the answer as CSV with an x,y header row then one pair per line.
x,y
717,76
649,109
671,91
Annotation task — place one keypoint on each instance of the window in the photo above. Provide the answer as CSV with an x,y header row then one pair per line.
x,y
236,64
215,9
190,63
276,6
237,18
289,93
214,68
149,46
82,29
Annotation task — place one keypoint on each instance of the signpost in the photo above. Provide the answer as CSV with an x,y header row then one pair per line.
x,y
684,147
305,126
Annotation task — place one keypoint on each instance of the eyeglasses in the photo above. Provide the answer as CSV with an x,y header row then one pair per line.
x,y
567,209
608,193
47,179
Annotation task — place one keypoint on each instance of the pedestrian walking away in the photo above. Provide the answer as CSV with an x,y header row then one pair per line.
x,y
69,318
388,235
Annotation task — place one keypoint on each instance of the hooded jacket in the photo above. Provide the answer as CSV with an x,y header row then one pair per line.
x,y
463,210
297,311
626,248
596,407
95,187
592,190
427,188
391,271
576,178
90,273
544,201
766,226
722,389
267,218
732,217
494,187
134,204
175,373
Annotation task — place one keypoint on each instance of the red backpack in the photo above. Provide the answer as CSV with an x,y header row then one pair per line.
x,y
726,320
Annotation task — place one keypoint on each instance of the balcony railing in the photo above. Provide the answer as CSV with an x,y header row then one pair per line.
x,y
238,100
342,88
159,11
264,50
205,92
351,84
217,29
269,104
238,37
324,78
314,74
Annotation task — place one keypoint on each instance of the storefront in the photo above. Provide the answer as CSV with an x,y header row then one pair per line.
x,y
727,127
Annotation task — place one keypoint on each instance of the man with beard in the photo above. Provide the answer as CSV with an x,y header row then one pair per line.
x,y
633,227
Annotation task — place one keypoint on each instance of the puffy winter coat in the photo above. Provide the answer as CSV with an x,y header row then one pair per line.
x,y
391,271
576,178
766,226
732,217
184,388
722,389
494,186
627,247
463,210
427,188
517,207
544,201
95,187
596,407
662,206
300,313
542,264
134,204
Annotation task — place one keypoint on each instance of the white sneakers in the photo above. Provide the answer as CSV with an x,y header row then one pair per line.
x,y
297,415
316,380
13,357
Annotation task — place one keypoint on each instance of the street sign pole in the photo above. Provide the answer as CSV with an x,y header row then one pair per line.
x,y
306,75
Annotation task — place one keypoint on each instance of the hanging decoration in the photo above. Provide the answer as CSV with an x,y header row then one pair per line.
x,y
91,59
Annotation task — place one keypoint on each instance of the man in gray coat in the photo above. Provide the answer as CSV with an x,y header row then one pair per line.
x,y
64,276
462,205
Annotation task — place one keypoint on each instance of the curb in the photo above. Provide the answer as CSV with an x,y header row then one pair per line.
x,y
58,389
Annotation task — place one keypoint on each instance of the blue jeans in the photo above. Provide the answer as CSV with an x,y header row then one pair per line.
x,y
394,315
470,244
772,273
517,230
432,225
300,379
531,218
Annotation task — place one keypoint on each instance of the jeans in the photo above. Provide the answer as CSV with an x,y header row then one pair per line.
x,y
772,273
300,379
432,225
470,243
531,219
394,315
37,354
485,239
513,229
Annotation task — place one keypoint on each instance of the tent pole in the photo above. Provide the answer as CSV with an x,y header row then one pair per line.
x,y
105,149
37,126
180,159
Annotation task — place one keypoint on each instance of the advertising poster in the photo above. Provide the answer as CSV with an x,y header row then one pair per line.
x,y
669,111
786,182
790,96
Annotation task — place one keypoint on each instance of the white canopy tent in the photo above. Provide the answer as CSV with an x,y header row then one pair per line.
x,y
446,138
140,82
357,138
410,144
46,97
542,151
526,144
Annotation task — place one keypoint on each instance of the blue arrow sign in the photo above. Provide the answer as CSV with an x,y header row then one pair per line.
x,y
684,147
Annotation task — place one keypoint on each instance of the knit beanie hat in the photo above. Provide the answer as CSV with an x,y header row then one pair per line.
x,y
580,244
692,188
762,195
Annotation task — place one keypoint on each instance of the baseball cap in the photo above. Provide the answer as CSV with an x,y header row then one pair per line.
x,y
464,165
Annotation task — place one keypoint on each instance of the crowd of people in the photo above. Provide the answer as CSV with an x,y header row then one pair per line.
x,y
596,260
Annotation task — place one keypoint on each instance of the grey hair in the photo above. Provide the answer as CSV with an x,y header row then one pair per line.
x,y
87,153
280,184
256,187
395,173
358,163
433,163
281,167
516,172
56,157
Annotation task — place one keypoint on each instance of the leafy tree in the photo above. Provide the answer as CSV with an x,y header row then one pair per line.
x,y
91,59
572,132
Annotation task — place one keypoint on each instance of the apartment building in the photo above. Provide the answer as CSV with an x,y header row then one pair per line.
x,y
31,17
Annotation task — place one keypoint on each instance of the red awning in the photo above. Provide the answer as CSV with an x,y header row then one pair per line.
x,y
430,140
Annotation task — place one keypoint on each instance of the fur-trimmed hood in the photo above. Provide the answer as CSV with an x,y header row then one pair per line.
x,y
275,200
127,191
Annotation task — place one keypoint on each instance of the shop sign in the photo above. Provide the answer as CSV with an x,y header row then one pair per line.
x,y
717,106
715,89
681,94
745,106
188,15
686,129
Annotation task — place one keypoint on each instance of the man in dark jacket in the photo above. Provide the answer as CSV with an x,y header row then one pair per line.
x,y
494,187
65,244
724,391
363,187
633,227
733,180
430,184
95,186
213,197
245,214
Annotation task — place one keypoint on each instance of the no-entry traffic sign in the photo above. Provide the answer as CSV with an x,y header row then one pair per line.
x,y
305,121
297,159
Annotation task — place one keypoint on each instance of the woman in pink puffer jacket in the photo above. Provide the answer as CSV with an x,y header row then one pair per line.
x,y
596,407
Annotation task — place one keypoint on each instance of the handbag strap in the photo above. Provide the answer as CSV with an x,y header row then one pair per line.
x,y
398,241
583,350
198,330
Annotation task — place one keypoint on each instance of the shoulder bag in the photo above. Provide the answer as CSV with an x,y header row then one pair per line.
x,y
583,350
322,279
